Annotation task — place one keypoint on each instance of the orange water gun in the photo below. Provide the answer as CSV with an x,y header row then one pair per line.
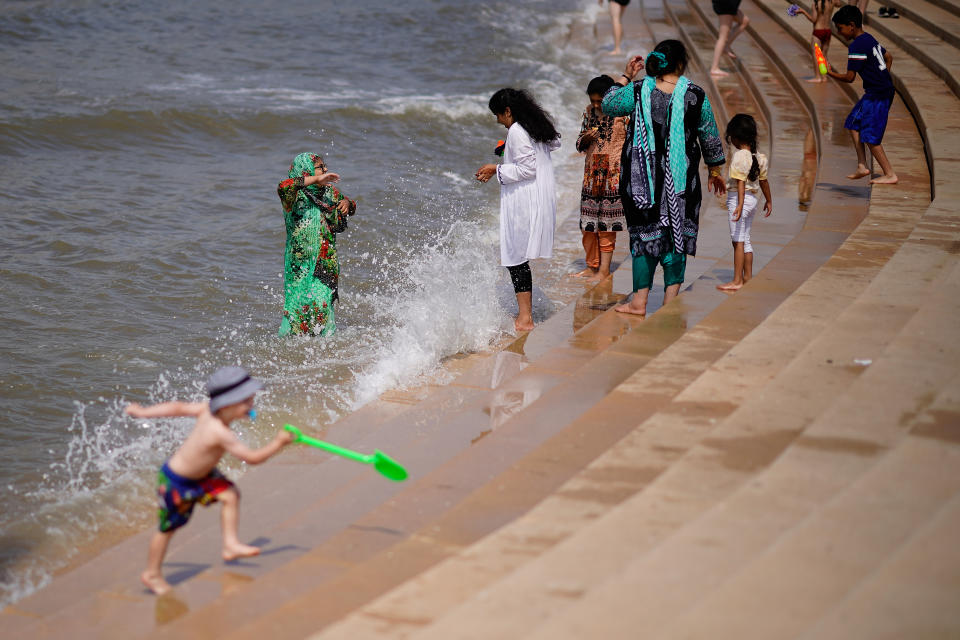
x,y
821,59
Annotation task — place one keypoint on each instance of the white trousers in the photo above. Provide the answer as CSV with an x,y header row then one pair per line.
x,y
740,229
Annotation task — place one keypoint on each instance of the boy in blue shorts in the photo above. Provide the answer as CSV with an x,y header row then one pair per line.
x,y
868,120
191,476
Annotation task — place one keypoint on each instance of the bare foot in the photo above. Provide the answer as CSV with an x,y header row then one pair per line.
x,y
890,179
586,273
730,286
629,308
155,582
524,325
719,73
861,172
816,80
615,52
238,550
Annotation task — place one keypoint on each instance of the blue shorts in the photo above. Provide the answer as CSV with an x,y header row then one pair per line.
x,y
869,117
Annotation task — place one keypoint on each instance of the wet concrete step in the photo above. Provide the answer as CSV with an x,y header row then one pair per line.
x,y
842,444
559,576
947,5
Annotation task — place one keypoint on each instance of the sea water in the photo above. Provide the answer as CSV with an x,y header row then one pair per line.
x,y
142,248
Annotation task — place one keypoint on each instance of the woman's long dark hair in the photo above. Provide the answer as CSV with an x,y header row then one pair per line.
x,y
668,56
526,111
742,129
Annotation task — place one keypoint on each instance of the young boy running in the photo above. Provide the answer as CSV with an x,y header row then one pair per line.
x,y
868,120
191,476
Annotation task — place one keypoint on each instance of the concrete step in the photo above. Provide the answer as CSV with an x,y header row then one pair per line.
x,y
752,552
951,6
914,595
935,19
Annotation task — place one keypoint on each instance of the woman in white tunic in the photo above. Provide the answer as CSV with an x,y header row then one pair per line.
x,y
528,201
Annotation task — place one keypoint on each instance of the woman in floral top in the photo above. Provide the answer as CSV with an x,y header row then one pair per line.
x,y
314,213
601,212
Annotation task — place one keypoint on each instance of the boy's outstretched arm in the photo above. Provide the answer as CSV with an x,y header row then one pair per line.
x,y
232,445
175,409
848,76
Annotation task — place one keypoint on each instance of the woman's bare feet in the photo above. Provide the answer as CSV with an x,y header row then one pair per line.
x,y
719,73
730,286
598,276
629,308
586,273
525,324
155,582
861,172
238,550
890,179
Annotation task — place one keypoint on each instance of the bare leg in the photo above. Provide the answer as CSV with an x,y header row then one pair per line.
x,y
742,22
862,170
637,305
888,177
747,266
721,46
604,270
616,11
152,577
524,321
669,293
738,259
229,515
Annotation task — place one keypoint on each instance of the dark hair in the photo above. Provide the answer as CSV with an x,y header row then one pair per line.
x,y
599,85
668,56
526,111
847,15
742,129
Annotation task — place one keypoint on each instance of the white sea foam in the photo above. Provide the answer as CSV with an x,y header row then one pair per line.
x,y
447,305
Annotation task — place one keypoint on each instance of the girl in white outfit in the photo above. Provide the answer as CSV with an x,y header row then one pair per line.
x,y
748,177
528,201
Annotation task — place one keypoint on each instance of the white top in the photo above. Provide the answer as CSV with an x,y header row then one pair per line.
x,y
740,168
528,200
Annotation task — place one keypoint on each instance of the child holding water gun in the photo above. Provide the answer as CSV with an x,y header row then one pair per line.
x,y
748,176
191,476
868,120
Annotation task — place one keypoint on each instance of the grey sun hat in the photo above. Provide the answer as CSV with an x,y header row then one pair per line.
x,y
230,385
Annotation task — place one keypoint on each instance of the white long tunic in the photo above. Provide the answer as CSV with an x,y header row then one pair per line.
x,y
528,200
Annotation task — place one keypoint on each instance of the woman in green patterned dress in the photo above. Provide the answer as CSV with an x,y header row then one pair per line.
x,y
314,212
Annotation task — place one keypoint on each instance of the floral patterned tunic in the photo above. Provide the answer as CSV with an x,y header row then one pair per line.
x,y
311,271
600,206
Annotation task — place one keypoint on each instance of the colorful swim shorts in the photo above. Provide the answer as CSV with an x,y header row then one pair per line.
x,y
178,495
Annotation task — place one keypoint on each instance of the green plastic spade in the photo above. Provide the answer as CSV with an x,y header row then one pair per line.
x,y
383,463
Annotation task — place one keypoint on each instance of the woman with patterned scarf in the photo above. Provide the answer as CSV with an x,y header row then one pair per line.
x,y
671,129
314,213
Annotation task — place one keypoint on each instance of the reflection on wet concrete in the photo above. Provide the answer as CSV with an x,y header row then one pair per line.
x,y
808,171
593,303
514,398
168,608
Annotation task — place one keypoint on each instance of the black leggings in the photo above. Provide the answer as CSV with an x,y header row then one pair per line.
x,y
521,277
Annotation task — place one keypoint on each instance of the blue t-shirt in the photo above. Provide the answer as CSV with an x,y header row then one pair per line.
x,y
866,58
